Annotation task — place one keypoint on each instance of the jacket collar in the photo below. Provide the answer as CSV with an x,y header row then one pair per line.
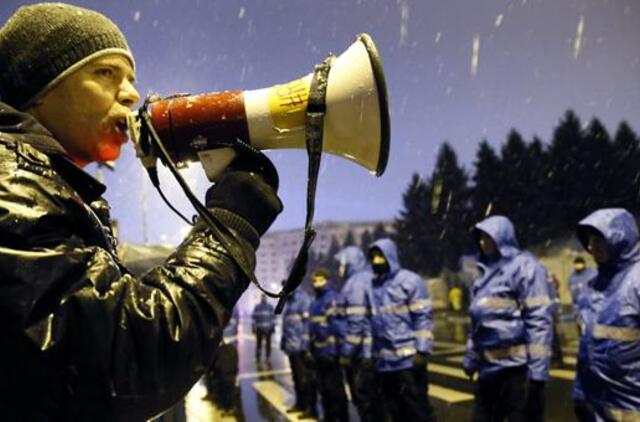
x,y
21,127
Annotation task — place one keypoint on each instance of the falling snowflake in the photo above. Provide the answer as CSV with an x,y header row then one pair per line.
x,y
498,21
136,16
579,41
475,56
241,13
404,21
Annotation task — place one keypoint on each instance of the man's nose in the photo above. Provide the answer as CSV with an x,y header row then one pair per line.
x,y
128,95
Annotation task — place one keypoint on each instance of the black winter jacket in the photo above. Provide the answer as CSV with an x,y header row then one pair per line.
x,y
80,337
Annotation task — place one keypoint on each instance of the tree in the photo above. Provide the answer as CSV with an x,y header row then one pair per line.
x,y
625,185
379,232
349,239
410,229
486,181
366,240
567,173
448,234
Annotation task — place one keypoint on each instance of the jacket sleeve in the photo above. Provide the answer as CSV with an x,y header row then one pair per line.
x,y
420,309
128,346
536,306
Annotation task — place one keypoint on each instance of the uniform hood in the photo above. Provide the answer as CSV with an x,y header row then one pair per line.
x,y
390,252
501,230
619,229
353,258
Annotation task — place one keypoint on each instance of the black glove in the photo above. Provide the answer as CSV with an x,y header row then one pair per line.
x,y
420,360
469,372
366,363
308,358
345,361
247,195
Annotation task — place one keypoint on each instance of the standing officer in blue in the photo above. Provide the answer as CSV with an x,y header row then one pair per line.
x,y
324,337
263,326
355,350
401,327
295,343
511,327
609,352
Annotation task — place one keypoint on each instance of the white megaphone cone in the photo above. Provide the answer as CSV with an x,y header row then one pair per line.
x,y
356,121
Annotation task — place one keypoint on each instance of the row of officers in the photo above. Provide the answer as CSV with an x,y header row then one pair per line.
x,y
377,330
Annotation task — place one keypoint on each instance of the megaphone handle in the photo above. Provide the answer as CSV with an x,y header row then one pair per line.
x,y
314,123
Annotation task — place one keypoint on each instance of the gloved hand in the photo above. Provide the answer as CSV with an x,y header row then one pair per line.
x,y
420,360
366,363
469,372
246,195
308,358
345,361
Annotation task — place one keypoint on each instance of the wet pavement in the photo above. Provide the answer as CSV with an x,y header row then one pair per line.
x,y
266,389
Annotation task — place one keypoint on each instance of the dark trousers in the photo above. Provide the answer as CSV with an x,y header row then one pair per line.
x,y
363,385
583,411
331,386
304,382
221,377
406,394
502,396
263,336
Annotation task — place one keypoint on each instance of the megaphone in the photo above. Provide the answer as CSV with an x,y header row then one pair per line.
x,y
355,127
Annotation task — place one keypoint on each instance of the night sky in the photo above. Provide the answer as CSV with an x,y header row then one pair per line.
x,y
457,70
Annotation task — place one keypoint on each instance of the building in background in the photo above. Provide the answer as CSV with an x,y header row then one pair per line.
x,y
278,250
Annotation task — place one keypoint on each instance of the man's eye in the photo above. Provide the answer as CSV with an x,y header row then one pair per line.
x,y
105,72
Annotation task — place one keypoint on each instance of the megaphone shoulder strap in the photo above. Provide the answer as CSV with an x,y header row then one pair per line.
x,y
314,124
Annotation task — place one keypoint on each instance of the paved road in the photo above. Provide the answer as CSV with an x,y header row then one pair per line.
x,y
266,387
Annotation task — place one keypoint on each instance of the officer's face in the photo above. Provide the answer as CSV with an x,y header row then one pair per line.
x,y
598,248
87,110
487,245
319,281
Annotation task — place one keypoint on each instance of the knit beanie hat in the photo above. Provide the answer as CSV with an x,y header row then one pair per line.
x,y
43,43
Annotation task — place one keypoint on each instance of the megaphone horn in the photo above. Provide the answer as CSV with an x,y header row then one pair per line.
x,y
356,122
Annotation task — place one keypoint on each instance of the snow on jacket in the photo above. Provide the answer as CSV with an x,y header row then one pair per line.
x,y
82,338
511,322
356,338
295,320
402,320
325,322
263,317
609,350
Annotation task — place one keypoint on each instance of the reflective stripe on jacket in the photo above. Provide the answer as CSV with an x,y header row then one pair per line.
x,y
402,320
324,322
295,320
511,322
609,353
263,317
356,340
